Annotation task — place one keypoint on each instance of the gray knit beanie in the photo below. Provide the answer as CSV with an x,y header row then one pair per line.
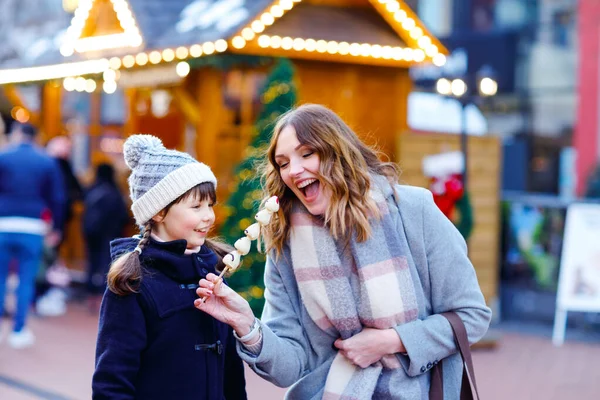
x,y
159,176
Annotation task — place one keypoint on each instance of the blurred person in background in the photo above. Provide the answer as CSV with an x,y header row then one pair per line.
x,y
30,184
593,185
60,147
104,218
50,299
2,131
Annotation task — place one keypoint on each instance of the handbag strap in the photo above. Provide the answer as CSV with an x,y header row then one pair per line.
x,y
468,389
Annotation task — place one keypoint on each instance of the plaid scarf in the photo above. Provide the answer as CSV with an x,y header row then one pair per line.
x,y
348,286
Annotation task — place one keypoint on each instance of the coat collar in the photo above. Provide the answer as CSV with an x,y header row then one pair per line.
x,y
169,258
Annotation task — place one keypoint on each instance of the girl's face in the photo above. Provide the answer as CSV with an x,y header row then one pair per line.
x,y
299,170
190,219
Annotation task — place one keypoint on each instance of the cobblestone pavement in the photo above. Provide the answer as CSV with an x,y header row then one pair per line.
x,y
524,365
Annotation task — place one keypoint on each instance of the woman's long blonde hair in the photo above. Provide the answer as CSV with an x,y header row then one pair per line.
x,y
345,169
125,274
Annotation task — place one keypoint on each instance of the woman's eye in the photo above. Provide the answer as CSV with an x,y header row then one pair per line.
x,y
306,155
283,165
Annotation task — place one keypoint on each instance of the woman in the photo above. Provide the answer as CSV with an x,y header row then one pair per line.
x,y
358,269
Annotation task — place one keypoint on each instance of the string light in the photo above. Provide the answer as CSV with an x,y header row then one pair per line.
x,y
155,57
238,42
393,7
90,85
182,53
128,61
56,71
343,48
221,45
182,69
69,83
115,63
109,75
141,59
208,48
252,31
168,55
130,37
109,87
196,50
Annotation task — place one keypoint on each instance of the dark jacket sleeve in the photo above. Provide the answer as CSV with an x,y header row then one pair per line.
x,y
121,339
235,381
54,194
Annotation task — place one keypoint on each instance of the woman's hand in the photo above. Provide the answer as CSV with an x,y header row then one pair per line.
x,y
224,304
369,346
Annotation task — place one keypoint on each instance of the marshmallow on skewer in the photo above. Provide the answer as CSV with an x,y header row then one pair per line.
x,y
232,260
253,231
272,205
243,245
263,217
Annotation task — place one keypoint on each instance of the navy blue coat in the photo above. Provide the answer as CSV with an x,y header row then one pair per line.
x,y
154,344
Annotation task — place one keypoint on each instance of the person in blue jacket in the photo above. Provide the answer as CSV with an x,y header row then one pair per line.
x,y
152,343
30,185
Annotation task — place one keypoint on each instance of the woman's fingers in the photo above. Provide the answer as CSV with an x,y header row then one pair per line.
x,y
204,292
206,284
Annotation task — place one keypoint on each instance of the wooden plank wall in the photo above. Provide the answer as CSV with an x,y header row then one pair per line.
x,y
484,185
371,100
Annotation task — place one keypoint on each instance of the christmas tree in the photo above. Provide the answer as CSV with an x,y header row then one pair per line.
x,y
278,96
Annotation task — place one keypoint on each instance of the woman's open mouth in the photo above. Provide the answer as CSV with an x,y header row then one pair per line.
x,y
309,189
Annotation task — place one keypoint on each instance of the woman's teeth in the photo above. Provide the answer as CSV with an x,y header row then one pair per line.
x,y
305,183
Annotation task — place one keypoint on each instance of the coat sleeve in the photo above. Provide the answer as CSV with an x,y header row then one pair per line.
x,y
454,287
121,339
235,382
283,358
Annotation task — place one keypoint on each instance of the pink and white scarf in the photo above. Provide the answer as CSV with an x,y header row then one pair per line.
x,y
366,284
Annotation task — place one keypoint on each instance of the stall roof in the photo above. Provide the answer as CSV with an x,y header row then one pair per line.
x,y
156,31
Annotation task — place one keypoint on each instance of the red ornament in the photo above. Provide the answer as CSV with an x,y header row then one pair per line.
x,y
446,192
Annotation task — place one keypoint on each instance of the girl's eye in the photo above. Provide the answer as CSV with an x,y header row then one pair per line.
x,y
306,155
211,204
283,165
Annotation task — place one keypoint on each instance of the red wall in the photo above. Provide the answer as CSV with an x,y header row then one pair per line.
x,y
586,130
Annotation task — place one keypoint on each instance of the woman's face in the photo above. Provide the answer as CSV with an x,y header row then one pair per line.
x,y
299,170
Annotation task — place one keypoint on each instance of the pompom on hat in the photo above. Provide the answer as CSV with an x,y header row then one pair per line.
x,y
159,175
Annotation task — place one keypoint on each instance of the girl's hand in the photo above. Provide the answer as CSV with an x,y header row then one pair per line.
x,y
224,304
369,346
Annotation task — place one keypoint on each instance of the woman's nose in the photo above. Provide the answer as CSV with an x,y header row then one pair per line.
x,y
296,168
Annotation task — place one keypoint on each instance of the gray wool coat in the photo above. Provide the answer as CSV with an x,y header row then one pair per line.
x,y
296,353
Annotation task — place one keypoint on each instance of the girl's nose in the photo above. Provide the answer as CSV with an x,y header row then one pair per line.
x,y
207,216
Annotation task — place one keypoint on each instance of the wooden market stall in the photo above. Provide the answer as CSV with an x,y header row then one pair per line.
x,y
484,187
191,72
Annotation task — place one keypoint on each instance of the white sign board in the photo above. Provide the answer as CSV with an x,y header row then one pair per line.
x,y
579,280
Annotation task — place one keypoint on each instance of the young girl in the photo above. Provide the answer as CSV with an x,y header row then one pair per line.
x,y
152,342
358,270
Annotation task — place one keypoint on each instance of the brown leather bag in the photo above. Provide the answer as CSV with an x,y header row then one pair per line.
x,y
468,389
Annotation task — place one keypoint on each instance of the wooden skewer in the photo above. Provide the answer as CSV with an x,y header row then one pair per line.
x,y
263,217
203,299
